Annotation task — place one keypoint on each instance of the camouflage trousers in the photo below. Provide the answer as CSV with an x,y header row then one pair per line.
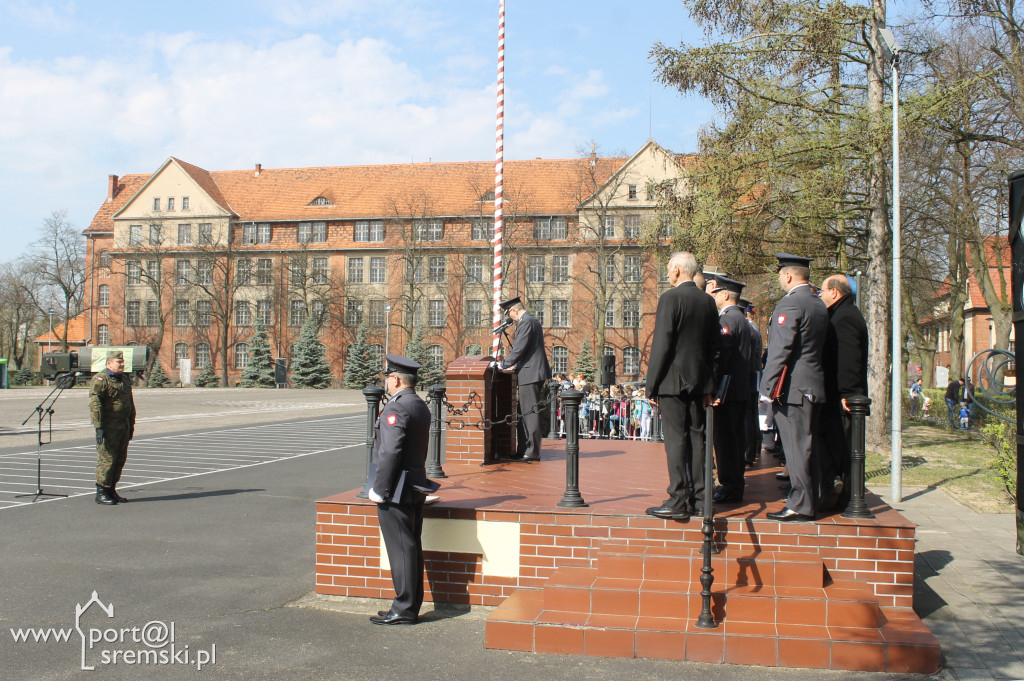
x,y
110,456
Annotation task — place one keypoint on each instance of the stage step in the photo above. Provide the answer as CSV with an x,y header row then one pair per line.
x,y
772,608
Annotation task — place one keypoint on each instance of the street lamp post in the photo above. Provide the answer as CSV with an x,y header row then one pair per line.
x,y
892,52
387,330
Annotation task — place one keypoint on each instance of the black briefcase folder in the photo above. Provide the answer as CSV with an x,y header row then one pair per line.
x,y
430,487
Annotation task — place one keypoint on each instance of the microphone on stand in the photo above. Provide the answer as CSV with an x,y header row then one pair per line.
x,y
504,325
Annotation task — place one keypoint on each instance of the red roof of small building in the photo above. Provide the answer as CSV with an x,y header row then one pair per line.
x,y
76,333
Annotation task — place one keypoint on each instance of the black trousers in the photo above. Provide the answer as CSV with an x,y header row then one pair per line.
x,y
529,431
402,526
752,430
732,417
683,420
832,446
796,423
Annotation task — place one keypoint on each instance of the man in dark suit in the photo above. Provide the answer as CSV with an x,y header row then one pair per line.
x,y
753,428
846,374
681,380
732,410
794,378
400,485
529,361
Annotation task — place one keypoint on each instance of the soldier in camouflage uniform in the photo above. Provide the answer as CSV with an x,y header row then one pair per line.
x,y
113,416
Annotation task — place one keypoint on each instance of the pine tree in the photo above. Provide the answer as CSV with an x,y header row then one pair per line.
x,y
208,378
430,374
157,378
309,366
24,377
361,365
585,362
259,373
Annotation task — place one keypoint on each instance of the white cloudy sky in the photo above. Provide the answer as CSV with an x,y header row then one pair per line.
x,y
96,87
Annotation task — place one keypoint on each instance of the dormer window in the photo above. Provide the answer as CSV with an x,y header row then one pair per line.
x,y
489,196
321,201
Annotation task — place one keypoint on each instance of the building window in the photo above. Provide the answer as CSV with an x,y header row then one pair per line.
x,y
203,356
204,272
428,230
633,271
134,272
134,235
243,316
369,231
355,270
435,354
609,269
184,203
631,313
353,312
297,313
183,272
152,313
104,296
546,229
249,234
631,192
378,270
437,269
204,310
475,269
156,235
318,309
377,354
535,272
156,204
104,258
474,350
170,203
184,234
263,233
181,313
205,233
414,316
132,316
319,270
180,353
153,271
243,271
103,334
474,313
241,355
378,315
609,314
305,232
560,359
631,226
264,271
560,269
319,232
609,227
435,313
414,266
537,310
297,266
263,312
483,229
631,361
560,313
315,232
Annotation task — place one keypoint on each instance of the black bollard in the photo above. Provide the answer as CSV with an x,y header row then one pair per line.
x,y
706,619
553,389
571,404
656,431
860,407
436,395
373,395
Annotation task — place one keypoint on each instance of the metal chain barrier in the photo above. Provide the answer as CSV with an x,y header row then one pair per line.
x,y
509,420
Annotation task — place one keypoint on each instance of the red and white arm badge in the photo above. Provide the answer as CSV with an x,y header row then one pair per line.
x,y
782,319
392,419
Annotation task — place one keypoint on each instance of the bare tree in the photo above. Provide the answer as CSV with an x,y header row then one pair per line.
x,y
57,261
17,311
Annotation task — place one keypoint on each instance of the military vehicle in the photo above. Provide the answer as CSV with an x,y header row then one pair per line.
x,y
84,362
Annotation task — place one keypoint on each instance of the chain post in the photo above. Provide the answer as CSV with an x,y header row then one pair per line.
x,y
436,395
553,389
656,430
373,395
860,407
571,403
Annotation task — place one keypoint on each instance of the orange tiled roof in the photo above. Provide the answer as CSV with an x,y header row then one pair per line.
x,y
537,187
76,333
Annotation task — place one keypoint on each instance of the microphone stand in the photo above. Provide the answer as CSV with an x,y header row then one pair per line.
x,y
44,410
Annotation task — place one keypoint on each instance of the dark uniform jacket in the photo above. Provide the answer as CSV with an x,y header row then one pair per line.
x,y
796,342
736,352
756,358
400,444
527,354
110,401
846,351
685,345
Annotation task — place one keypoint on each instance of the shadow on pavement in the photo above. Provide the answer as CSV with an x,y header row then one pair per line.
x,y
195,495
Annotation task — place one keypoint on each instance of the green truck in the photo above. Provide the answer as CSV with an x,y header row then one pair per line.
x,y
84,362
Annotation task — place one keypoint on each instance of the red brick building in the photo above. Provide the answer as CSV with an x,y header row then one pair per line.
x,y
189,260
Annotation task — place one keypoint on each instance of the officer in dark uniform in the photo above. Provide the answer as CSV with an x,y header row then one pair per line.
x,y
113,416
529,361
732,410
794,378
400,487
753,429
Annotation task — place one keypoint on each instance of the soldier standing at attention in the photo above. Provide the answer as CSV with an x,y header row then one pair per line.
x,y
113,416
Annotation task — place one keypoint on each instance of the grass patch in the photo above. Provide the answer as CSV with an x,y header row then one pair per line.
x,y
953,461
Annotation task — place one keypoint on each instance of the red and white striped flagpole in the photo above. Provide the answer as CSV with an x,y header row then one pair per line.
x,y
499,162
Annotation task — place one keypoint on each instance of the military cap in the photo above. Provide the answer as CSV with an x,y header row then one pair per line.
x,y
506,305
790,260
726,284
116,354
401,365
745,304
712,276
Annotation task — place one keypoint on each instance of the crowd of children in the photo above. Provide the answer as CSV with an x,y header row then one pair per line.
x,y
618,412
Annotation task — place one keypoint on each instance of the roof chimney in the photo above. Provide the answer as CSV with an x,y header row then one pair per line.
x,y
111,187
259,167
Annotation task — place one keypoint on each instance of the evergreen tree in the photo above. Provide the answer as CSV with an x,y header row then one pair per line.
x,y
208,378
361,365
24,377
430,374
259,373
157,378
585,362
309,366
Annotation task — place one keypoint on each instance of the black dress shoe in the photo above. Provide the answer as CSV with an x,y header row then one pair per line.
x,y
103,496
392,618
530,458
668,512
723,497
113,493
788,515
781,476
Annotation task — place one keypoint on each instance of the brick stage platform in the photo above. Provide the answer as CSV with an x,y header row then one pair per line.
x,y
609,580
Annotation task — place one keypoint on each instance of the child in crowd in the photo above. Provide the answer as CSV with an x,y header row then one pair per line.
x,y
965,416
926,407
